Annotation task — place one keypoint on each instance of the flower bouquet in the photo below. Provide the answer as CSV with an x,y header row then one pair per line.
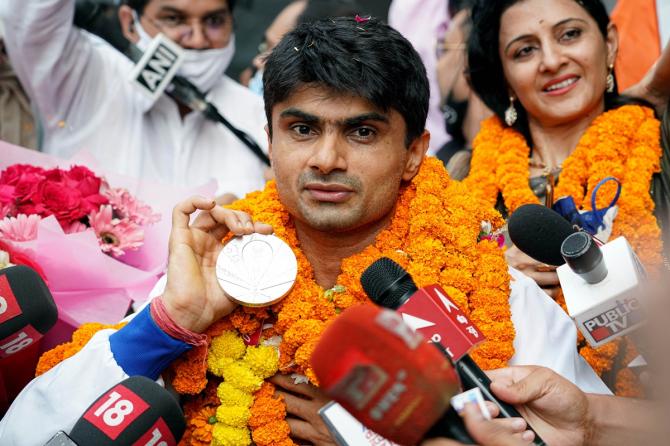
x,y
78,199
98,244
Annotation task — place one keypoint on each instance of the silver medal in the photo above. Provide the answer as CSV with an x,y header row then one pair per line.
x,y
256,270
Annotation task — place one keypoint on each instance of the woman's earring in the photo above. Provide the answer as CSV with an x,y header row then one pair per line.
x,y
511,114
610,80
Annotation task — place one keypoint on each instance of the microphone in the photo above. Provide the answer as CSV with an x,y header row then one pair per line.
x,y
27,312
27,309
387,376
155,74
600,283
539,232
136,412
430,312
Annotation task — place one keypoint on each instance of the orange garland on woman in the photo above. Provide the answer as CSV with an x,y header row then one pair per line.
x,y
623,143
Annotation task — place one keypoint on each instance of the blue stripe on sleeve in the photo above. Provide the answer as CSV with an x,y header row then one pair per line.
x,y
142,348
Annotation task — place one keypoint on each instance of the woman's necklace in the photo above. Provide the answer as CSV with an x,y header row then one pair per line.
x,y
550,179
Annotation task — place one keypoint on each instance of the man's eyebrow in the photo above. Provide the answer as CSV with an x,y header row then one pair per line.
x,y
525,36
372,116
172,9
296,113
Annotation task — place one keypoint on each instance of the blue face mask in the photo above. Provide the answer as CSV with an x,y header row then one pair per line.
x,y
256,83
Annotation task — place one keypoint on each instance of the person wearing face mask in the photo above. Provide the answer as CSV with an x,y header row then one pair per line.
x,y
82,90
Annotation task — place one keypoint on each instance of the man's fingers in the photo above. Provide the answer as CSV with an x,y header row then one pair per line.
x,y
494,410
262,228
502,431
544,279
511,374
527,389
181,214
300,407
441,442
302,430
239,223
286,382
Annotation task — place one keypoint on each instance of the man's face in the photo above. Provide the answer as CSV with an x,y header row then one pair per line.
x,y
193,24
339,160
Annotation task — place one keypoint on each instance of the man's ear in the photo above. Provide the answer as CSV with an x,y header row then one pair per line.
x,y
127,21
268,132
415,154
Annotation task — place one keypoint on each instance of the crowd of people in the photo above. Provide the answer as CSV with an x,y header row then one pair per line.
x,y
525,100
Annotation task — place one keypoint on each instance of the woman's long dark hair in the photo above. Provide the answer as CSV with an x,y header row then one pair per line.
x,y
485,66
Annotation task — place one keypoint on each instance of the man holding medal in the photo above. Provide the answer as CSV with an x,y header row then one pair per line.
x,y
346,102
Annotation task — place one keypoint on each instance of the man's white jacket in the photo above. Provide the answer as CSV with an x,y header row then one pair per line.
x,y
80,87
545,336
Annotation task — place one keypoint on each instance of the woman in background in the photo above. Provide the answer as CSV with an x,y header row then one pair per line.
x,y
545,68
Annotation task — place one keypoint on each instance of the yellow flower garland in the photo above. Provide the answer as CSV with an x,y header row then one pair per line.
x,y
624,143
434,235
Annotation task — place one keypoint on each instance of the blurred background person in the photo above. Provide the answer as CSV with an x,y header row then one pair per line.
x,y
644,29
300,11
285,21
80,86
17,124
424,23
463,111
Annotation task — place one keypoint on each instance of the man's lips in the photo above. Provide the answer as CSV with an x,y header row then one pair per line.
x,y
332,193
560,85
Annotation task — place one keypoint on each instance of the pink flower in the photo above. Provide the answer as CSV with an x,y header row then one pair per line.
x,y
88,184
14,173
7,194
115,236
127,206
21,228
54,198
75,226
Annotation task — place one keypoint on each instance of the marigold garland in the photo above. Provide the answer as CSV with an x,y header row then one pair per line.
x,y
624,143
434,235
80,337
243,370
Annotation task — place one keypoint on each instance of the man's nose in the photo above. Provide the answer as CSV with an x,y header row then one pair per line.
x,y
327,155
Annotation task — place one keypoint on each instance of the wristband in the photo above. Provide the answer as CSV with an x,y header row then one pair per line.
x,y
161,317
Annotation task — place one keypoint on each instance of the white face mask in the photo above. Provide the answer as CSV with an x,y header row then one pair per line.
x,y
204,68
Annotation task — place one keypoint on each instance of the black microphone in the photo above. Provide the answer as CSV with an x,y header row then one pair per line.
x,y
27,312
539,232
135,412
27,309
390,286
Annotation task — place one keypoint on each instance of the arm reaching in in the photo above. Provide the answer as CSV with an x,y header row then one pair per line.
x,y
563,415
655,86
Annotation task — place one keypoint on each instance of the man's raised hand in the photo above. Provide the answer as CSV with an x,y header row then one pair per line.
x,y
192,296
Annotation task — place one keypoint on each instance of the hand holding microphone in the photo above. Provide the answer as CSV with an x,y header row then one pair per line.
x,y
601,284
537,253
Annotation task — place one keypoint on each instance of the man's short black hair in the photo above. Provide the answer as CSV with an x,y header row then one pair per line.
x,y
369,59
139,5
